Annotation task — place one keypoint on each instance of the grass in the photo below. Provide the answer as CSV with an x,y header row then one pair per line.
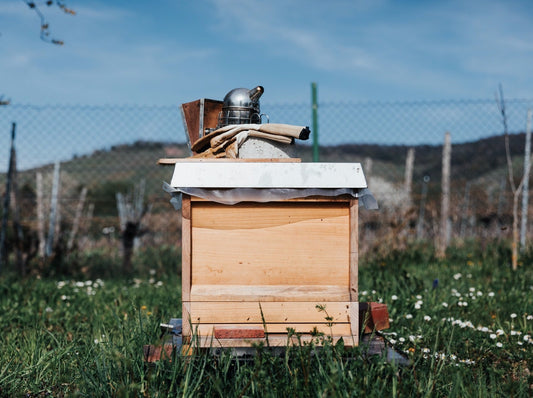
x,y
465,322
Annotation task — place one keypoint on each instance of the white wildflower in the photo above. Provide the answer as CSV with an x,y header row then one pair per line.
x,y
530,318
445,304
457,276
491,294
513,315
498,344
427,318
394,297
408,316
492,336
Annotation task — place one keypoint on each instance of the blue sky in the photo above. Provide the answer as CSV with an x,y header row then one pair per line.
x,y
169,52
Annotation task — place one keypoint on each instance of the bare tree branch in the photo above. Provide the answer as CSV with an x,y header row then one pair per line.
x,y
45,27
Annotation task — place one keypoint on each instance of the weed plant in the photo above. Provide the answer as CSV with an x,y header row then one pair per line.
x,y
465,323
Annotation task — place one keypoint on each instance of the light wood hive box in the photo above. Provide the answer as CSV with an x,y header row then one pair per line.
x,y
255,267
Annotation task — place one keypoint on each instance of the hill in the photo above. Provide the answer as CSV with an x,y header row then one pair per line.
x,y
106,172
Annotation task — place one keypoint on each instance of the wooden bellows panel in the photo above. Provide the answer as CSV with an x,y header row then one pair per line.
x,y
199,115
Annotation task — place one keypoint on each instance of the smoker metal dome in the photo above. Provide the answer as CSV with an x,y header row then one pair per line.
x,y
241,106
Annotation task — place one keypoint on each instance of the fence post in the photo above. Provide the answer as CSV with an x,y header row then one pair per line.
x,y
408,182
40,215
525,188
314,102
3,229
445,204
53,210
422,209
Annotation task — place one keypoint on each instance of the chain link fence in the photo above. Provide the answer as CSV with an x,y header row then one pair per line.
x,y
107,149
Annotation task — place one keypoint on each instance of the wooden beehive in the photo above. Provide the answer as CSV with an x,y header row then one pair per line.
x,y
256,267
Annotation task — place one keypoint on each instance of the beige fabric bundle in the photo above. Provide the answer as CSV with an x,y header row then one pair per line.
x,y
225,141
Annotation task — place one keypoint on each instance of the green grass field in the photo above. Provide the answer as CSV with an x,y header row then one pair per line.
x,y
466,323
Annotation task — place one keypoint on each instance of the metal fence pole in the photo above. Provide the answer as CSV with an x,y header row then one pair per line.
x,y
3,230
314,101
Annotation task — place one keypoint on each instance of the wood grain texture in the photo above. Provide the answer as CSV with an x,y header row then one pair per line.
x,y
354,250
185,260
354,320
270,244
237,331
316,293
269,312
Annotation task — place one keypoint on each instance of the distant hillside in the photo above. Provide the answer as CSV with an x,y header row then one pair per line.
x,y
471,161
106,171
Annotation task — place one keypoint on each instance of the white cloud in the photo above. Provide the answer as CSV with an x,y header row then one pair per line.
x,y
447,46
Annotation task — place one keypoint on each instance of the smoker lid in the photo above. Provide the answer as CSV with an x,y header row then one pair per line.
x,y
243,97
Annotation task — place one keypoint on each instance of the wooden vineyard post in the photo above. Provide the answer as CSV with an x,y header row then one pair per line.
x,y
445,204
40,215
408,182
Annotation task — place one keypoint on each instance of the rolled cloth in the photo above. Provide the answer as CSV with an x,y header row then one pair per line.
x,y
215,138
